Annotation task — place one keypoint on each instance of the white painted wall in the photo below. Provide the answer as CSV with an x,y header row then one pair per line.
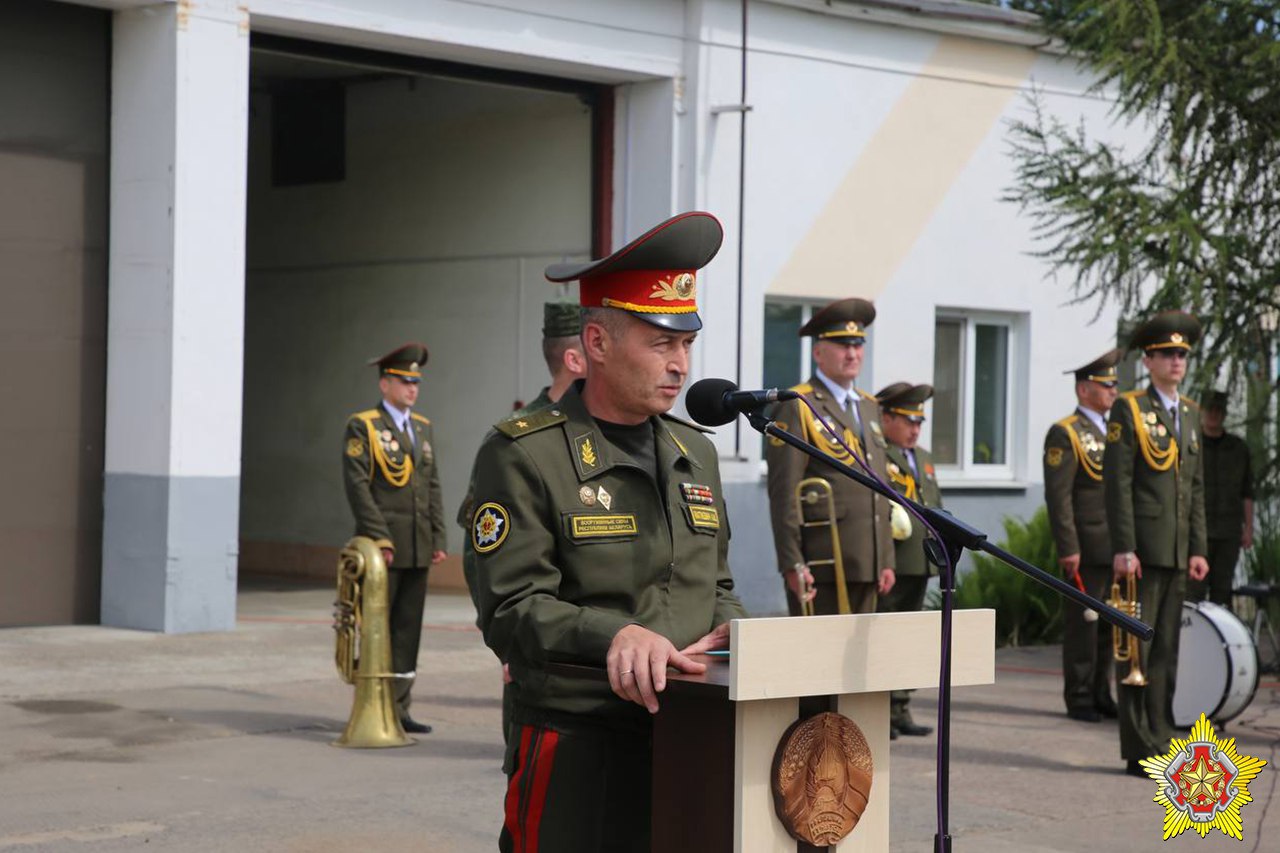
x,y
456,198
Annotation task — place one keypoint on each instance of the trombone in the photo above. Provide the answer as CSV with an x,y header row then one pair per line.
x,y
1125,646
813,491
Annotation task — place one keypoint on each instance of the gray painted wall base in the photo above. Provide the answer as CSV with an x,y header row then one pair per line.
x,y
169,552
751,554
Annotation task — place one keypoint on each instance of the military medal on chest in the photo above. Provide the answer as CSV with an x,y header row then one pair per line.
x,y
696,493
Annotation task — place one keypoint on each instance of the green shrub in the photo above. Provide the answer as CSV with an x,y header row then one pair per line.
x,y
1027,612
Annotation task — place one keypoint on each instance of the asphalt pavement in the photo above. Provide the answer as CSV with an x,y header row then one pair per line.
x,y
116,740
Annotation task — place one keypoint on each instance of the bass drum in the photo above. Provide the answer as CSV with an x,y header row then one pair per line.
x,y
1217,665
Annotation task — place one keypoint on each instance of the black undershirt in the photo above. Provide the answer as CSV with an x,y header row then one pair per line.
x,y
636,441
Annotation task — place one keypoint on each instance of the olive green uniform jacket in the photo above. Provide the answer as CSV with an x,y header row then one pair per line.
x,y
1073,491
1157,514
468,502
407,518
909,557
863,516
572,541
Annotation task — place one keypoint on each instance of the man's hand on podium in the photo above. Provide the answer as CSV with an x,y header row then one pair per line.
x,y
637,665
717,639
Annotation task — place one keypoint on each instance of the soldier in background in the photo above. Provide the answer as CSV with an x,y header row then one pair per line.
x,y
839,332
393,486
1228,501
912,474
1153,479
562,351
1073,495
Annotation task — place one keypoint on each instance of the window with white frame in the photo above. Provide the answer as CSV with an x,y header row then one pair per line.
x,y
975,394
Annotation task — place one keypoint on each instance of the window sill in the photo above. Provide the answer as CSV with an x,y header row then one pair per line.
x,y
960,484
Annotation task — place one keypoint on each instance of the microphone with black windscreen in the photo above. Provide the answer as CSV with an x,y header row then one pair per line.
x,y
716,402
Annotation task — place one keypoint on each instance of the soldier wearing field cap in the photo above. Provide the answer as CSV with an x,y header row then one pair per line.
x,y
1153,479
912,474
393,486
600,537
1228,501
804,553
1073,495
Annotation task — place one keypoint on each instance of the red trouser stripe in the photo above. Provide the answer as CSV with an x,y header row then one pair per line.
x,y
542,764
512,806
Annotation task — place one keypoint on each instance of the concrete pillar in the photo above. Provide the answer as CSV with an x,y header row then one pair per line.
x,y
175,338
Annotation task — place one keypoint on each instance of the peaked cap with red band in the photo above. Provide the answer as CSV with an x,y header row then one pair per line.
x,y
654,277
404,362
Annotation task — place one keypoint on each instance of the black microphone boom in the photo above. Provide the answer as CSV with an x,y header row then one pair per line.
x,y
715,402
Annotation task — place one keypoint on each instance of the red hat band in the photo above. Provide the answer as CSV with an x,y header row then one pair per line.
x,y
642,291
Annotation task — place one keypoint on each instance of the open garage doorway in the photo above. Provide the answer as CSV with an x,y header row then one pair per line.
x,y
394,199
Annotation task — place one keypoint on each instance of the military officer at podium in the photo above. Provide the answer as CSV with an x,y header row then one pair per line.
x,y
912,474
393,486
804,552
600,537
1228,501
1073,494
1153,480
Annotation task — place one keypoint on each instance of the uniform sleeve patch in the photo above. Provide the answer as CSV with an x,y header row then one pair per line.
x,y
1113,432
1053,456
355,447
489,527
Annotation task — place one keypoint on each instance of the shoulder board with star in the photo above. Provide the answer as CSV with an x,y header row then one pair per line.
x,y
690,424
1066,422
1188,401
367,414
1138,393
864,395
802,388
518,426
420,418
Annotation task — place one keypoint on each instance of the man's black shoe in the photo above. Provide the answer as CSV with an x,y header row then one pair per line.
x,y
1107,709
1085,715
413,727
1133,768
893,732
913,730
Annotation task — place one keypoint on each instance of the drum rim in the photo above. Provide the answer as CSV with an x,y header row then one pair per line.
x,y
1257,680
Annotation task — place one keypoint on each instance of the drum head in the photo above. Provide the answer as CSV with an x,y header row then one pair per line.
x,y
1217,665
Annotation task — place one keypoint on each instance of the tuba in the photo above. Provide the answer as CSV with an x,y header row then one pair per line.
x,y
1125,646
812,491
363,647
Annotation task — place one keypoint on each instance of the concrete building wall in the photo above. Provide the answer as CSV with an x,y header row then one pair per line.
x,y
54,104
456,196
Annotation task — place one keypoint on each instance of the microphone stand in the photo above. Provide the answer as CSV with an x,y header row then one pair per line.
x,y
955,536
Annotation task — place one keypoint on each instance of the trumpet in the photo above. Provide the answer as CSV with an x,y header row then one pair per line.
x,y
1125,646
812,491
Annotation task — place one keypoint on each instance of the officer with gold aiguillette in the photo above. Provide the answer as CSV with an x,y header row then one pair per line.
x,y
393,486
912,474
1073,495
804,550
1153,478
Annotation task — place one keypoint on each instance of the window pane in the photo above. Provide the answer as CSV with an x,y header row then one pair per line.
x,y
990,393
946,391
781,345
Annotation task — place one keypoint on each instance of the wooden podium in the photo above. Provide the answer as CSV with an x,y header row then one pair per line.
x,y
716,733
